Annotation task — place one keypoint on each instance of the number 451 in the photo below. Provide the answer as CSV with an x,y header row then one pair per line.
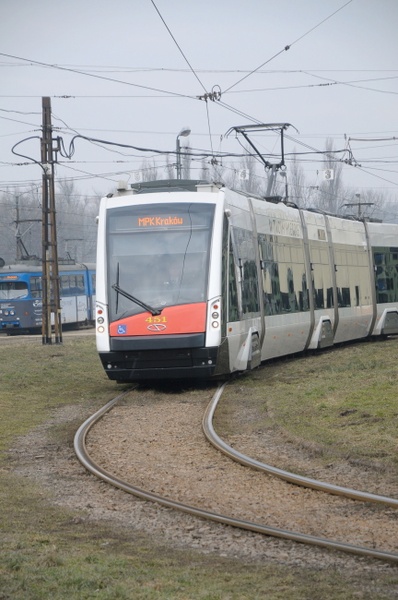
x,y
158,319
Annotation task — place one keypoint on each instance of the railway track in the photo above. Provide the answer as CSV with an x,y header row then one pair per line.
x,y
106,475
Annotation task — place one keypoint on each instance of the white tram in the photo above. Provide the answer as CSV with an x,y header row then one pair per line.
x,y
197,281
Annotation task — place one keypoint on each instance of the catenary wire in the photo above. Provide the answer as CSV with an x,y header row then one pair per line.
x,y
177,44
78,72
288,46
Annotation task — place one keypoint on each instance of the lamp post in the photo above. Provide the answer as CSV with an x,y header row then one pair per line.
x,y
185,131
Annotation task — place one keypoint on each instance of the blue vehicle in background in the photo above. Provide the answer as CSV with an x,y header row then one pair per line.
x,y
21,296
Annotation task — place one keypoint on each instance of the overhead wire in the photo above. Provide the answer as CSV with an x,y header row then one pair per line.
x,y
287,47
352,84
95,76
177,44
223,104
206,94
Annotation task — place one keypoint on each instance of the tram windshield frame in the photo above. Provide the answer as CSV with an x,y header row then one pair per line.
x,y
13,290
159,254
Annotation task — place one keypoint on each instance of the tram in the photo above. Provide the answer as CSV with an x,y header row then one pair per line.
x,y
195,280
21,296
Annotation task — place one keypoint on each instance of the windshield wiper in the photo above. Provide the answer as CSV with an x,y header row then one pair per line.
x,y
119,290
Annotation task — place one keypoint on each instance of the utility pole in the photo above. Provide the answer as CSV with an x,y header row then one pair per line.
x,y
50,276
22,253
359,205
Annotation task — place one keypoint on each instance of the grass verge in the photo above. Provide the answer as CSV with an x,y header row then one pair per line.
x,y
48,552
342,404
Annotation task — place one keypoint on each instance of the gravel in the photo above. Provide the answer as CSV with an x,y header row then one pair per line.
x,y
155,443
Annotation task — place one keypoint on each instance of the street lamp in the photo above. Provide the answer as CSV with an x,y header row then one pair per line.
x,y
185,131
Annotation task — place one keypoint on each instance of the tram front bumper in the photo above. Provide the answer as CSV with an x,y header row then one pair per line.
x,y
160,364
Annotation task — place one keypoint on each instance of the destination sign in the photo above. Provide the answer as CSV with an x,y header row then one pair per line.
x,y
159,221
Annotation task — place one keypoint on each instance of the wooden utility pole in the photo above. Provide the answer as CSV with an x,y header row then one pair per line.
x,y
50,276
22,253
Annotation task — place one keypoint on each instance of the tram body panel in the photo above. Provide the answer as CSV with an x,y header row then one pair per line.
x,y
270,280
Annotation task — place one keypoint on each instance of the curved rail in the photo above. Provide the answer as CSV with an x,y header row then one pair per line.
x,y
90,465
330,488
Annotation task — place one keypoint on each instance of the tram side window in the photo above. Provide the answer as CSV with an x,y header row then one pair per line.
x,y
321,275
344,296
386,274
230,304
35,287
284,284
250,302
72,285
233,305
245,252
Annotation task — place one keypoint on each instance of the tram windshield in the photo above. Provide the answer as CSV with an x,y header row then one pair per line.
x,y
158,256
11,290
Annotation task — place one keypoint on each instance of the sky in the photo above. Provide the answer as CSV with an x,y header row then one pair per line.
x,y
136,72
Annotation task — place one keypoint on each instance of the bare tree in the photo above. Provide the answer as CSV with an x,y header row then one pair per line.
x,y
170,168
247,177
204,170
75,218
366,204
149,170
297,190
186,161
331,195
386,209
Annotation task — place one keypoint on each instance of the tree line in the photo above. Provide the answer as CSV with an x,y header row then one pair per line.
x,y
21,213
21,224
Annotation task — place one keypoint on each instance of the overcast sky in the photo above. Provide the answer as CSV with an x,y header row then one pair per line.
x,y
328,67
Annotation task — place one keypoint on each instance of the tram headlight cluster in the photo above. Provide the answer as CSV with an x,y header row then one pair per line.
x,y
100,320
215,315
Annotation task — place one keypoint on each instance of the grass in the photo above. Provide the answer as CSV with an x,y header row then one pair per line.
x,y
50,552
343,403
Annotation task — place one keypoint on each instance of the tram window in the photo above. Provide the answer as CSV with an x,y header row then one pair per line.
x,y
79,284
344,297
250,301
233,310
35,287
357,295
93,283
329,298
159,254
386,276
319,298
10,290
284,282
378,258
72,285
245,251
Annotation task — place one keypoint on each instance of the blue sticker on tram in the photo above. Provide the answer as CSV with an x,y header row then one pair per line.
x,y
121,329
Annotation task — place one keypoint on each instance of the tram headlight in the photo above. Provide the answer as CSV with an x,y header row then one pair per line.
x,y
215,324
100,329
